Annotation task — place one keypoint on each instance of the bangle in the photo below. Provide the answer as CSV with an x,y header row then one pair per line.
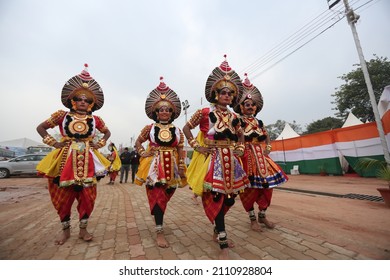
x,y
141,151
193,143
49,140
240,148
268,147
182,166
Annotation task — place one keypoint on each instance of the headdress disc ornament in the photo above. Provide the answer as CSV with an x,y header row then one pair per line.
x,y
82,83
161,96
223,76
250,92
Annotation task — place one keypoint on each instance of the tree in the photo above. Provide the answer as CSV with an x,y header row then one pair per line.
x,y
275,129
353,95
323,125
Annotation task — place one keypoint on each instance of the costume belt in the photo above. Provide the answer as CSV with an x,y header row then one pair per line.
x,y
219,143
77,144
69,139
163,148
254,141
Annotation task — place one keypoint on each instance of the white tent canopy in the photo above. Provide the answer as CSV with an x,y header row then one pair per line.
x,y
351,120
287,133
384,101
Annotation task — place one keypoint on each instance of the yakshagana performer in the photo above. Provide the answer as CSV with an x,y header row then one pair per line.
x,y
115,165
162,168
215,172
262,171
75,165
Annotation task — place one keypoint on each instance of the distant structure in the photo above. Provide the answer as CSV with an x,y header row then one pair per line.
x,y
287,133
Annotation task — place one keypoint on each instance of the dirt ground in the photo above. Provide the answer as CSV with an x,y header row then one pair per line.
x,y
306,204
18,194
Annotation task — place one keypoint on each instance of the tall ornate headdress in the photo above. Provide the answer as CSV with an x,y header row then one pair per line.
x,y
82,83
250,92
223,76
162,95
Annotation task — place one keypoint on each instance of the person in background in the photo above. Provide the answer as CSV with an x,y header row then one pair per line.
x,y
162,168
75,165
263,173
125,165
134,161
115,165
215,172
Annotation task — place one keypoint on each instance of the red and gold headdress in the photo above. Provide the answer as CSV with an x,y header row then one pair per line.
x,y
82,84
250,92
221,77
161,96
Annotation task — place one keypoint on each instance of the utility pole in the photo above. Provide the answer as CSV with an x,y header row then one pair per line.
x,y
352,19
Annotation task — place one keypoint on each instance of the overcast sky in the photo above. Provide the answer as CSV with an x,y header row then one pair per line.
x,y
130,44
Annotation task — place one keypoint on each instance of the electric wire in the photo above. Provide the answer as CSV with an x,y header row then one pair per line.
x,y
333,16
290,41
299,39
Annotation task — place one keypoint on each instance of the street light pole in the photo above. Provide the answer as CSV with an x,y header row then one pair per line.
x,y
186,105
352,19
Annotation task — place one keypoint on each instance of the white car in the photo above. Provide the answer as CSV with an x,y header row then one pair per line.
x,y
20,165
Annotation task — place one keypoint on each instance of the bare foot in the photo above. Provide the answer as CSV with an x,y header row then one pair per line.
x,y
161,241
85,235
255,226
224,254
62,237
230,242
195,200
267,223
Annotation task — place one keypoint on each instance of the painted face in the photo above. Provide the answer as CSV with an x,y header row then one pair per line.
x,y
225,97
164,113
248,107
83,102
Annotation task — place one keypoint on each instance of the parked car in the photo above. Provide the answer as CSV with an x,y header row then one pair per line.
x,y
41,149
20,165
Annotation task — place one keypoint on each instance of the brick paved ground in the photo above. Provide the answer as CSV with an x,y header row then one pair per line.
x,y
308,227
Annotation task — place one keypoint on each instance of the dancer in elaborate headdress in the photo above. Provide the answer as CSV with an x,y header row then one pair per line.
x,y
215,172
162,168
115,165
75,165
262,171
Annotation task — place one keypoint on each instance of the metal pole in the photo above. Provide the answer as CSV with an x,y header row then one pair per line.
x,y
352,19
186,105
284,156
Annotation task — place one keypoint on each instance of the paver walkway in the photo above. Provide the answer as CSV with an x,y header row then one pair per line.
x,y
308,227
